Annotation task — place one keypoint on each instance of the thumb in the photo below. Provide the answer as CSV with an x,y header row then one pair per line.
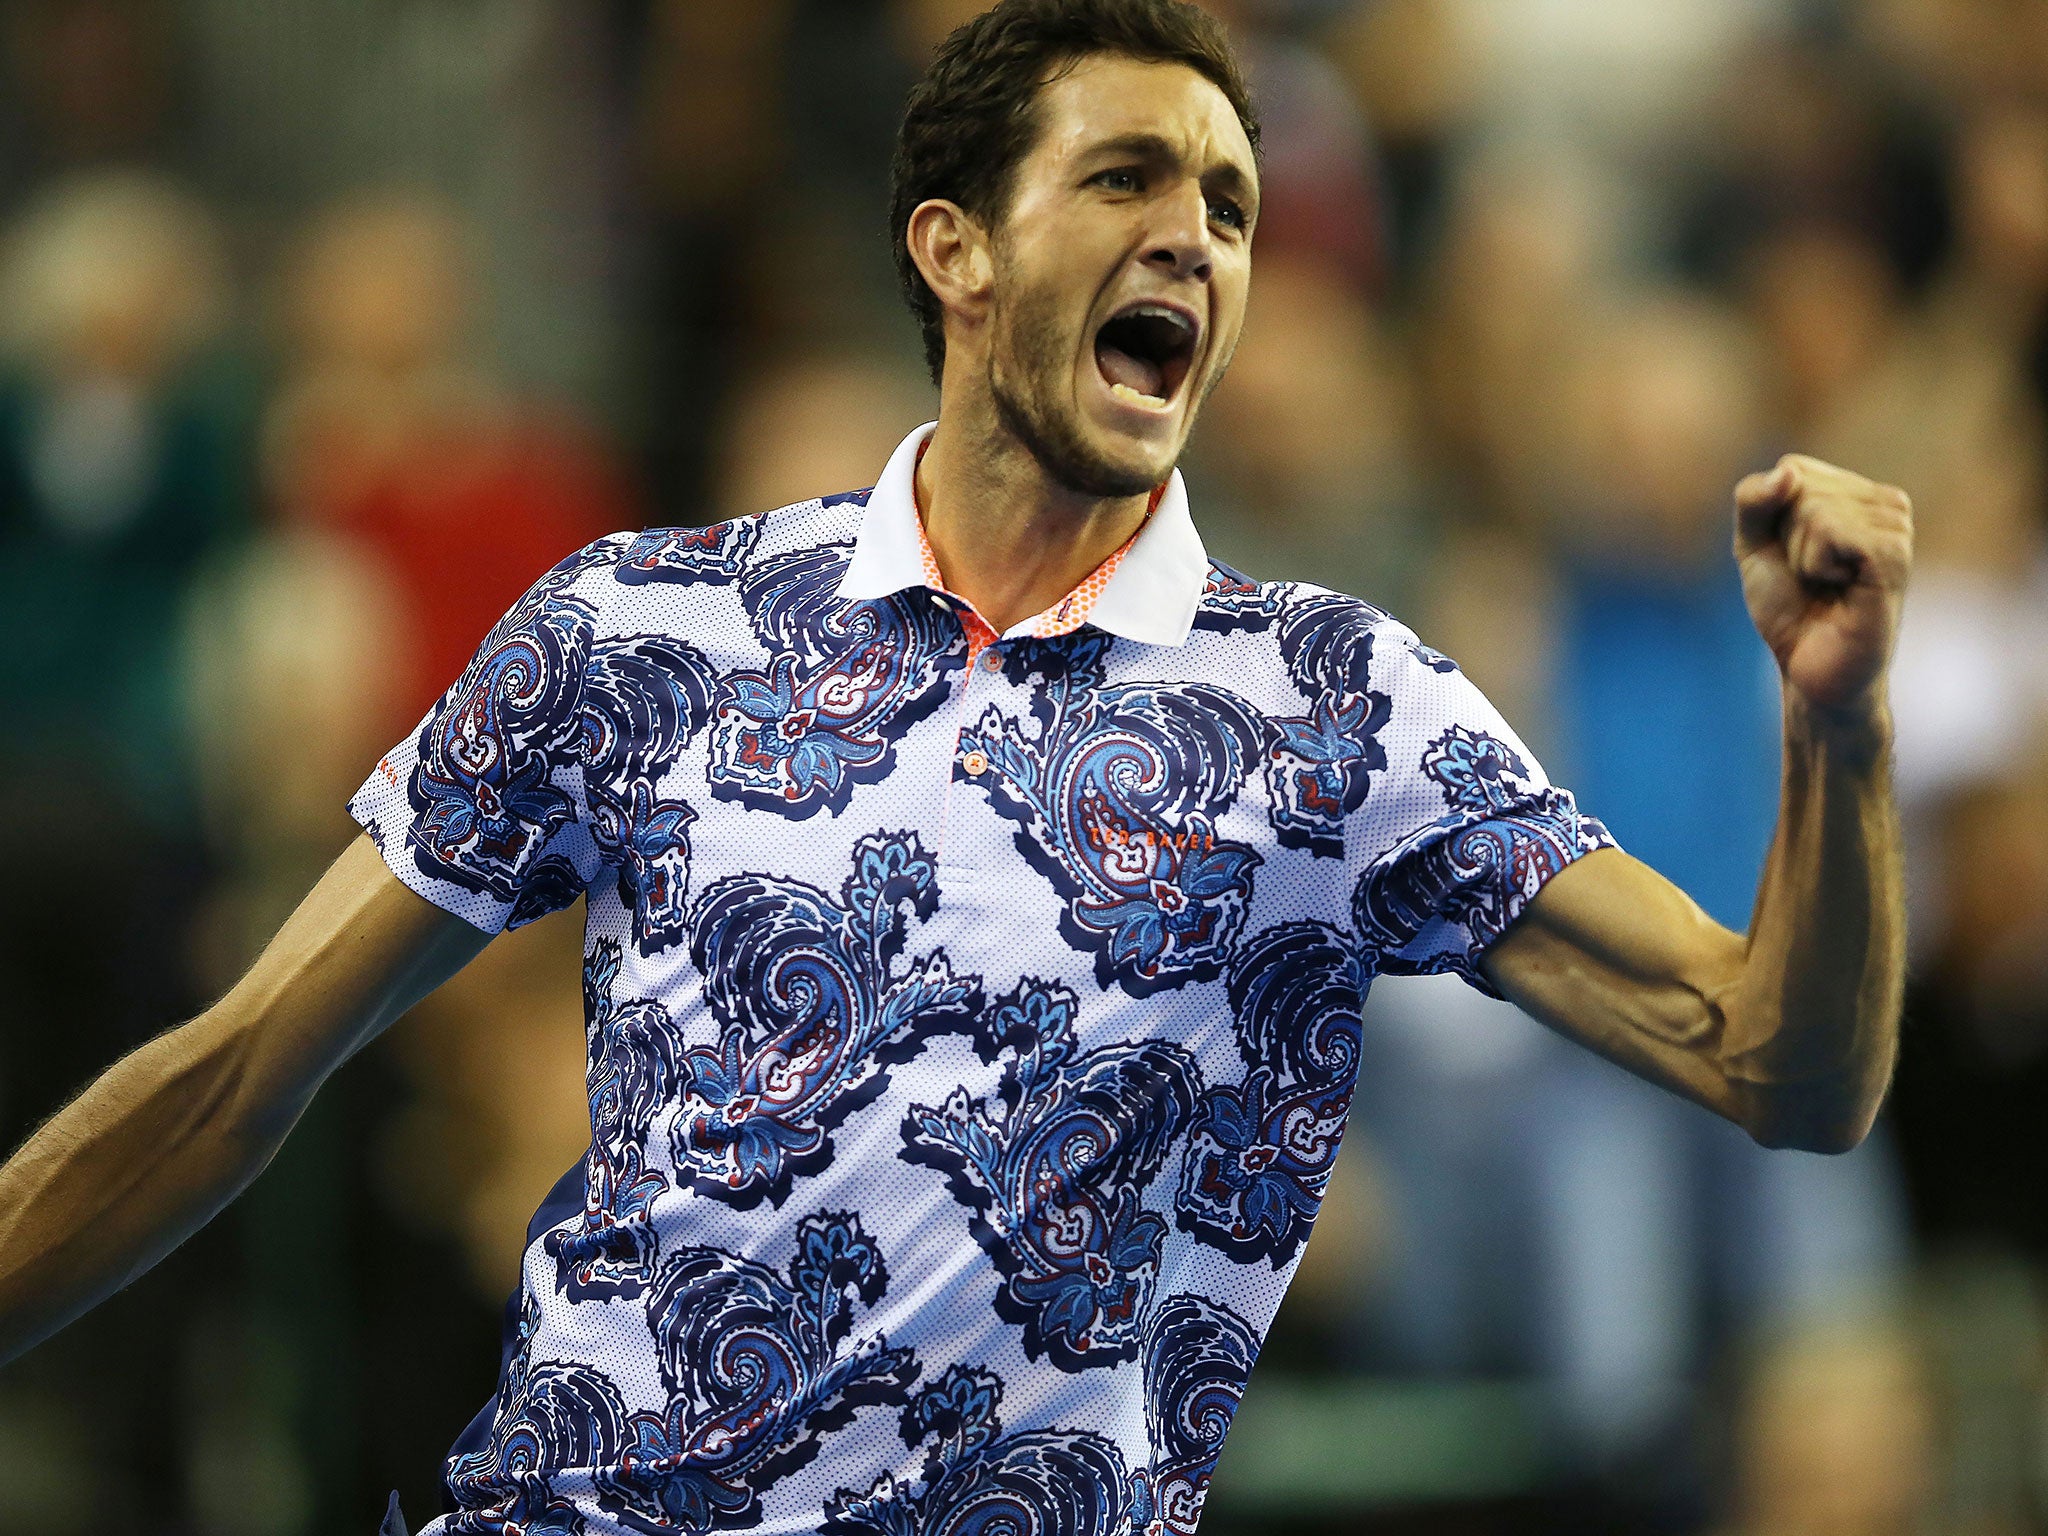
x,y
1761,501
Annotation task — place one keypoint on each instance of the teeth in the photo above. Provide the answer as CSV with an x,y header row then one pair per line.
x,y
1160,312
1136,397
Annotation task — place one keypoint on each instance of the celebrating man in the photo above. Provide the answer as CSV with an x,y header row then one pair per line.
x,y
982,886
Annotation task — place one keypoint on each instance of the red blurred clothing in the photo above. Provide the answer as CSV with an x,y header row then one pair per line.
x,y
461,513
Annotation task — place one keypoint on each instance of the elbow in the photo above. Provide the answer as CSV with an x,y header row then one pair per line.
x,y
1809,1118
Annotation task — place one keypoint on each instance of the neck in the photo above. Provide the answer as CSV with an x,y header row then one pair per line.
x,y
1008,538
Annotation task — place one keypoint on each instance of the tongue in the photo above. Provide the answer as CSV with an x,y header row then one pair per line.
x,y
1132,372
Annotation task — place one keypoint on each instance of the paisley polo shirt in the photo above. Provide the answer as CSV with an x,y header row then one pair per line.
x,y
969,1044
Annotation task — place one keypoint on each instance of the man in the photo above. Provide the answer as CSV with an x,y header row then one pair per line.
x,y
981,889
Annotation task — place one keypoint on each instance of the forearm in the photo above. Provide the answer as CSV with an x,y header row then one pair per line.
x,y
1812,1023
137,1163
171,1133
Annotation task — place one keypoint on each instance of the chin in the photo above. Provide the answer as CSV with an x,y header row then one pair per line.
x,y
1085,457
1138,463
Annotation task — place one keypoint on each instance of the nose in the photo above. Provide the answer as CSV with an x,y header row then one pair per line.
x,y
1182,245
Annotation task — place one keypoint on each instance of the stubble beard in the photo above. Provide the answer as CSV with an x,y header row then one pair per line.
x,y
1023,367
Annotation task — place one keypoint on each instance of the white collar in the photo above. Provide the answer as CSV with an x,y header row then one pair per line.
x,y
1151,599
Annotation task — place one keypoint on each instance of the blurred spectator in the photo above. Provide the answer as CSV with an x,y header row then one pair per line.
x,y
291,650
1411,68
1551,1216
1667,721
1320,192
387,431
1306,459
1619,79
1952,408
1828,305
1834,1436
124,450
1969,1105
451,495
122,468
1805,132
1527,240
810,425
1666,701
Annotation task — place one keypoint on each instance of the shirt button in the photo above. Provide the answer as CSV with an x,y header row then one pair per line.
x,y
975,763
991,662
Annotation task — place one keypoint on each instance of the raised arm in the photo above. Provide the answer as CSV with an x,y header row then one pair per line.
x,y
1791,1031
173,1131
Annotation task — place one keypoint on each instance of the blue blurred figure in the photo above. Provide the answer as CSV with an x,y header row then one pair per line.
x,y
1551,1216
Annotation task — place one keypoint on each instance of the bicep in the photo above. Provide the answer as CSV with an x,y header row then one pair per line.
x,y
1614,956
359,951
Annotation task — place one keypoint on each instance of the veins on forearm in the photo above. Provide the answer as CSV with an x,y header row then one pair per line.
x,y
1825,957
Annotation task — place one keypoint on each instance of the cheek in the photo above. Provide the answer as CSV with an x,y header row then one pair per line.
x,y
1230,307
1035,328
1222,350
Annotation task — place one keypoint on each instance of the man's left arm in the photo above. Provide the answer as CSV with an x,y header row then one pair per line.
x,y
1791,1031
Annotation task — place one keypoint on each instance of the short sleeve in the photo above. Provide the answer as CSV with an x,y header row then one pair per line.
x,y
482,809
1463,828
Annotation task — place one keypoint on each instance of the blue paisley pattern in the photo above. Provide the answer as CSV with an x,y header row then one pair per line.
x,y
1198,1358
977,1481
634,1070
1088,1105
643,701
1056,1175
485,797
1118,791
1476,867
552,1417
1234,602
1429,656
813,1011
685,556
1320,765
844,682
552,883
759,1368
1260,1153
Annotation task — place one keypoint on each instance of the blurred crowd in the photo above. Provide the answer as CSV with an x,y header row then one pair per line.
x,y
326,325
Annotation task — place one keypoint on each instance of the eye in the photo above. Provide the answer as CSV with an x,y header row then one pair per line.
x,y
1227,213
1122,178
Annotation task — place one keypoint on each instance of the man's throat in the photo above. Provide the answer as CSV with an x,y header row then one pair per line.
x,y
1031,565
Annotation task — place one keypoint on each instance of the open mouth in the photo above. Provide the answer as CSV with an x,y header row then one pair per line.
x,y
1144,351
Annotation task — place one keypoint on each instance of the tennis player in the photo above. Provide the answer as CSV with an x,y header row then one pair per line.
x,y
982,884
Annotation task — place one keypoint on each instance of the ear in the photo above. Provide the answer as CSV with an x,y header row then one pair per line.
x,y
953,253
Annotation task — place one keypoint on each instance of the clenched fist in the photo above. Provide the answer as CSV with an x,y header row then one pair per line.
x,y
1824,556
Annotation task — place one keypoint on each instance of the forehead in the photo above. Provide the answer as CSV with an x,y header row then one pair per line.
x,y
1108,96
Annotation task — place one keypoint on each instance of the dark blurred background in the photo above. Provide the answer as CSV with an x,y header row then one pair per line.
x,y
325,325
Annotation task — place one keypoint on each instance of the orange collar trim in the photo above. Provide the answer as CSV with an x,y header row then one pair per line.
x,y
1062,618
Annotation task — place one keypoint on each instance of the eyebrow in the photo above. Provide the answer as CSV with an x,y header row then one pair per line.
x,y
1227,174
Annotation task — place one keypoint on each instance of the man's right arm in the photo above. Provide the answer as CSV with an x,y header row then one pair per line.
x,y
173,1131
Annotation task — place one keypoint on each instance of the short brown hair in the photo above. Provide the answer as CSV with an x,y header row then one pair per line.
x,y
969,121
